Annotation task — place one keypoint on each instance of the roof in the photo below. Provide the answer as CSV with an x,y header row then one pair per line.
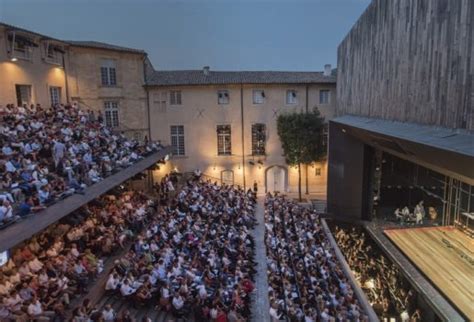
x,y
103,45
197,77
85,44
455,140
8,26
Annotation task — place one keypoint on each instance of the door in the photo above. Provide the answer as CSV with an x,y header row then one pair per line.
x,y
276,179
23,94
227,177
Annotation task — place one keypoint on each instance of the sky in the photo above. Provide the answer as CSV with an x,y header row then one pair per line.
x,y
297,35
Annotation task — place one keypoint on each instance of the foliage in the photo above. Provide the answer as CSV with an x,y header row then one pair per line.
x,y
301,136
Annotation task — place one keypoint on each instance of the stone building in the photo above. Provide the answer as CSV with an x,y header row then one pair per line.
x,y
223,123
36,68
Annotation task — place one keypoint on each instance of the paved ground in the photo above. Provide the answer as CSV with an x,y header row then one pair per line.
x,y
260,305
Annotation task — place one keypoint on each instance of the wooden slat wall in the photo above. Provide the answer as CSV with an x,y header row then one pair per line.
x,y
410,61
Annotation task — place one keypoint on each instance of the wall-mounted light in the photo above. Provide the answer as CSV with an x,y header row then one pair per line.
x,y
343,130
14,59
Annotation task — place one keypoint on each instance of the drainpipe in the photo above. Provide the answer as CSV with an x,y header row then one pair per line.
x,y
306,165
66,82
147,98
242,126
149,172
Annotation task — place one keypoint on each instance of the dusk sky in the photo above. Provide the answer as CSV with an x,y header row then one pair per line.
x,y
224,34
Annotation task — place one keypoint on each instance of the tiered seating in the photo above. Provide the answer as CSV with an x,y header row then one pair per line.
x,y
44,275
50,153
195,258
314,285
387,290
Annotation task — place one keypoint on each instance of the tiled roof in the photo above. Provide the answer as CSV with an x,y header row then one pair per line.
x,y
8,26
102,45
197,77
86,44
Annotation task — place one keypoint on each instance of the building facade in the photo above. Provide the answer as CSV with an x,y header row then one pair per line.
x,y
224,123
31,67
35,68
110,79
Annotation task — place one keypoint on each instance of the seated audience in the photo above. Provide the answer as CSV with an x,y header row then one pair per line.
x,y
387,290
43,275
306,282
50,153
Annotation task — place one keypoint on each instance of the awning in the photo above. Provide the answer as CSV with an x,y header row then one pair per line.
x,y
459,141
450,150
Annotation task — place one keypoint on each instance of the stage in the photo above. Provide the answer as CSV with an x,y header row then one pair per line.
x,y
444,255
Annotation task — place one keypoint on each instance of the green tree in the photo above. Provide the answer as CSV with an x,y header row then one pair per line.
x,y
301,136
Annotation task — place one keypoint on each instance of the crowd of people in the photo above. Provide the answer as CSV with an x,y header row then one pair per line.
x,y
50,153
42,276
195,257
306,282
387,290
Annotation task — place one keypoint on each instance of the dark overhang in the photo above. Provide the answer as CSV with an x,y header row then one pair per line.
x,y
19,232
444,150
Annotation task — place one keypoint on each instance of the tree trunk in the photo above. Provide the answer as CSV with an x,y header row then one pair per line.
x,y
299,182
307,180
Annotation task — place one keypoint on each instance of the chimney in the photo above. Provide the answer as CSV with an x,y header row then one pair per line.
x,y
327,70
205,70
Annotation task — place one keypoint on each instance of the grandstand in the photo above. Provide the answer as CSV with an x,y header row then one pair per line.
x,y
97,223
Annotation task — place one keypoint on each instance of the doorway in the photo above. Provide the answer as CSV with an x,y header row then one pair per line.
x,y
227,177
276,178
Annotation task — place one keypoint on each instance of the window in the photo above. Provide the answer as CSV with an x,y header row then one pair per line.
x,y
259,137
324,96
177,139
53,54
111,114
224,140
55,95
21,46
108,72
291,97
23,94
223,97
175,97
317,172
159,101
258,97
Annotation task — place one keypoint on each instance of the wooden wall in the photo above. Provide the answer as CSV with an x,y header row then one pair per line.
x,y
412,61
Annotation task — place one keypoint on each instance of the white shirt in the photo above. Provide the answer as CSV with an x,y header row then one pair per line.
x,y
108,315
112,283
178,302
126,290
35,309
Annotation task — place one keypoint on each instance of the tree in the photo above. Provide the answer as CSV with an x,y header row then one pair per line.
x,y
301,136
